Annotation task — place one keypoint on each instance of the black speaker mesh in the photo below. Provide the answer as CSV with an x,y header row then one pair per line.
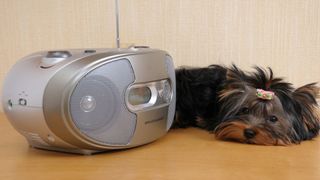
x,y
109,122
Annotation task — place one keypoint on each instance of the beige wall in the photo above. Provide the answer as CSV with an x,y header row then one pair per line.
x,y
283,34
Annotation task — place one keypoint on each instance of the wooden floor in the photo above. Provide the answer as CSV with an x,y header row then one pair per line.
x,y
182,154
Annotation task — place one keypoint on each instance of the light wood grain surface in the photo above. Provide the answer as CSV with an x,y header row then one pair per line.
x,y
181,154
283,34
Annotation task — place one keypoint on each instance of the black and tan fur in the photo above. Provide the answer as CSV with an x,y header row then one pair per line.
x,y
223,101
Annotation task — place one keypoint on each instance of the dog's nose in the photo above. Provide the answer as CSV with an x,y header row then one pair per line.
x,y
249,133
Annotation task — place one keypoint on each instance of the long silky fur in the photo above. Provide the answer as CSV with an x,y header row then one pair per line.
x,y
209,97
197,96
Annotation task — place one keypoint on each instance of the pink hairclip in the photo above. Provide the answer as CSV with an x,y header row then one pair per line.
x,y
267,95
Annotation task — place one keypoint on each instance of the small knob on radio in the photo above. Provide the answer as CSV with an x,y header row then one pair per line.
x,y
54,57
58,54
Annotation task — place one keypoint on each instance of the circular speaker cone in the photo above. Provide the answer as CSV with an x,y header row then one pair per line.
x,y
94,103
87,103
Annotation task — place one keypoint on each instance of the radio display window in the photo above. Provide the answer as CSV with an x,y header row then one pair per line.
x,y
138,96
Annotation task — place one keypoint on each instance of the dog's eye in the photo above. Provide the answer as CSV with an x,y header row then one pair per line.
x,y
273,119
244,110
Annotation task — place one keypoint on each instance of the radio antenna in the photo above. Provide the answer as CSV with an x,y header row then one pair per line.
x,y
117,23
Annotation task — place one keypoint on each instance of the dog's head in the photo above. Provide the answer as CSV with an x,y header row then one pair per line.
x,y
260,109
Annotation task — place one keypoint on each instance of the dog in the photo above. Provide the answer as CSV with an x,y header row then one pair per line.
x,y
247,107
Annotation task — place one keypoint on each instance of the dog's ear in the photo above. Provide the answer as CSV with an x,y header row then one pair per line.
x,y
236,82
234,75
307,94
306,99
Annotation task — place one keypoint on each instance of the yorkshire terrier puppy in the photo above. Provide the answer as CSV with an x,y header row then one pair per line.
x,y
253,108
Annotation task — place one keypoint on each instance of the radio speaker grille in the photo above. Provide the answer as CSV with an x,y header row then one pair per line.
x,y
97,104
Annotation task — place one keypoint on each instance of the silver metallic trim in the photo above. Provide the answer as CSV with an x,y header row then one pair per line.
x,y
60,87
155,100
151,102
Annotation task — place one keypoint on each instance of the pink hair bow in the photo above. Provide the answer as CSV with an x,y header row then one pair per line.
x,y
262,94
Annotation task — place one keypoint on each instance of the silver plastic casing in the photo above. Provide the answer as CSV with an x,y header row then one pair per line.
x,y
37,90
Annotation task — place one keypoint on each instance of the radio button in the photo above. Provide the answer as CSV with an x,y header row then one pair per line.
x,y
137,48
90,51
58,54
54,57
141,47
22,102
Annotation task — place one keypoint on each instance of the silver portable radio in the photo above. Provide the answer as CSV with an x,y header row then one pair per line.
x,y
91,100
